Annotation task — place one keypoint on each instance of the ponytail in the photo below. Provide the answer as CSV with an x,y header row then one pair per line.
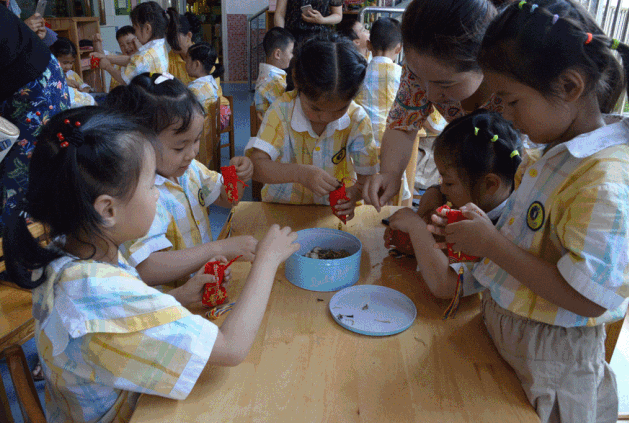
x,y
205,53
172,30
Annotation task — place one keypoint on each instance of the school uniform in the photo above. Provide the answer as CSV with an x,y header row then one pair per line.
x,y
182,217
571,209
104,337
270,85
151,57
77,97
205,89
177,67
345,148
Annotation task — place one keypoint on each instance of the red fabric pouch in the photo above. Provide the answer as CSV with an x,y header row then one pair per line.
x,y
215,293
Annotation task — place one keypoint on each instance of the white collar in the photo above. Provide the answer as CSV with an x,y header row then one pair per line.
x,y
590,143
300,123
266,69
159,42
209,79
381,59
495,213
160,180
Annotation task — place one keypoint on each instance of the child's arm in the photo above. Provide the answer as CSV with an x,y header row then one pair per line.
x,y
97,41
163,267
479,237
105,64
354,193
433,265
114,59
269,171
237,333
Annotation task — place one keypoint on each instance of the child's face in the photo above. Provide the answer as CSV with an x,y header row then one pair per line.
x,y
324,110
178,150
440,81
138,213
363,35
66,61
192,67
285,56
127,44
452,186
543,120
143,32
185,42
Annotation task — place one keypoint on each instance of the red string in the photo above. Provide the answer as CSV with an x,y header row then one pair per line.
x,y
215,293
230,180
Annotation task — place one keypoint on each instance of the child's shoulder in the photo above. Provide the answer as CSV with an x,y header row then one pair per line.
x,y
356,112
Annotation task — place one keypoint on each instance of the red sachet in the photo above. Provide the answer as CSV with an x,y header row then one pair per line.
x,y
215,293
401,241
336,196
94,62
230,180
456,216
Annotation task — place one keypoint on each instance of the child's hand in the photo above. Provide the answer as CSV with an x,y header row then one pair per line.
x,y
473,237
73,84
98,55
244,167
430,202
277,245
227,276
317,180
104,64
347,207
85,89
237,245
405,220
192,291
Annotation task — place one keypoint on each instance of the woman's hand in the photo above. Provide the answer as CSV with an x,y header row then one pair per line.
x,y
35,23
317,180
244,167
277,245
313,16
380,188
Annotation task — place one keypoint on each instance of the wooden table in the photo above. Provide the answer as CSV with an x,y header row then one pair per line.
x,y
304,367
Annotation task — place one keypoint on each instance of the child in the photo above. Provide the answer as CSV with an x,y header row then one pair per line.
x,y
475,166
555,266
201,64
65,52
315,136
153,27
271,83
129,45
353,29
180,239
104,336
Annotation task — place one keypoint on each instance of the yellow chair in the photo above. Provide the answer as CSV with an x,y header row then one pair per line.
x,y
208,139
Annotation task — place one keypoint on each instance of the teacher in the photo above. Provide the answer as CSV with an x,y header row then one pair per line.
x,y
307,22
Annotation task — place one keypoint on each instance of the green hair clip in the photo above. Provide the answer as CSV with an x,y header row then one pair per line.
x,y
475,131
494,138
522,3
514,153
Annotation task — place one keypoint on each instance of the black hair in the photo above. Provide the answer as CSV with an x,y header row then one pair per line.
x,y
275,38
205,53
480,143
156,106
346,27
125,30
70,167
328,64
164,23
63,47
529,44
189,22
385,34
448,30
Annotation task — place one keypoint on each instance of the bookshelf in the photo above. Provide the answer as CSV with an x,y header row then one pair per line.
x,y
76,29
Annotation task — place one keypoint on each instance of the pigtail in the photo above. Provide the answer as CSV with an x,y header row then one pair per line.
x,y
172,29
219,70
205,53
22,252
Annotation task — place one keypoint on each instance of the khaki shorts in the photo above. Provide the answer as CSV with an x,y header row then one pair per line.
x,y
562,370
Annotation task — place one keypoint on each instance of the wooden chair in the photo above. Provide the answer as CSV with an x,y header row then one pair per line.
x,y
208,139
27,397
255,122
216,159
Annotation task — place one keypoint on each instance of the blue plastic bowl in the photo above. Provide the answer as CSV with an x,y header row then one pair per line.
x,y
324,275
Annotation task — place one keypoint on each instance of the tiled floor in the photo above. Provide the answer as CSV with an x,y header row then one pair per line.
x,y
242,100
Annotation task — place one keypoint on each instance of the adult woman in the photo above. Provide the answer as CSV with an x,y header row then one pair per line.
x,y
308,22
189,33
33,89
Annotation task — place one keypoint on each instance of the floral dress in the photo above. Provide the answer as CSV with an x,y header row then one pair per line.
x,y
30,107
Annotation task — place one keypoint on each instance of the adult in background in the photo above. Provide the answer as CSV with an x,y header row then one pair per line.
x,y
33,89
189,34
308,22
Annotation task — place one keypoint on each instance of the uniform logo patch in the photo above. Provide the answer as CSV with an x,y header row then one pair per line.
x,y
535,216
201,198
338,157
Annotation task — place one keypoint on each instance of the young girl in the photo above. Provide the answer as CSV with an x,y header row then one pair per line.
x,y
315,136
153,27
65,52
189,33
441,40
202,67
555,265
180,239
477,156
104,336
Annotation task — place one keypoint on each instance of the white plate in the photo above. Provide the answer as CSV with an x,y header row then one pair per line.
x,y
388,311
